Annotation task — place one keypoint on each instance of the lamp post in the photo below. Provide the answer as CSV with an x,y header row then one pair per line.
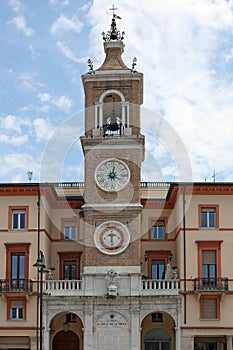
x,y
40,263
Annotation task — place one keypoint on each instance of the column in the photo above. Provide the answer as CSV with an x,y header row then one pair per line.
x,y
88,328
178,345
135,327
229,342
46,339
33,343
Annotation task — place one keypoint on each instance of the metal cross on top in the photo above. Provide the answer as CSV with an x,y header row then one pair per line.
x,y
113,9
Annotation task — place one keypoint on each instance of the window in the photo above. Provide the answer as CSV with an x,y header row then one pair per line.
x,y
157,317
70,230
18,218
158,269
71,318
158,229
209,267
157,261
17,266
208,216
17,270
69,269
17,311
70,265
16,308
210,307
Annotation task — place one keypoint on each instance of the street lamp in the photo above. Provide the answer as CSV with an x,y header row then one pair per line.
x,y
40,263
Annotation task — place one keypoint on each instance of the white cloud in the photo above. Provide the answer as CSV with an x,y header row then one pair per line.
x,y
30,82
14,140
44,97
13,123
14,166
61,2
21,25
64,103
15,5
184,50
43,129
68,53
64,24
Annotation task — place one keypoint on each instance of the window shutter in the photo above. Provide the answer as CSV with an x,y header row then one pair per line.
x,y
209,257
209,308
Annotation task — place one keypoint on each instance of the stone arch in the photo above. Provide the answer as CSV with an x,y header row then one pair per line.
x,y
109,92
52,315
158,327
111,114
172,312
66,327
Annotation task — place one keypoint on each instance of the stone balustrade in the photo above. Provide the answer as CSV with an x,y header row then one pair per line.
x,y
77,288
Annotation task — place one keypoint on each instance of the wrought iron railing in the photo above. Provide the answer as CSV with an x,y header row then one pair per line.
x,y
211,284
16,286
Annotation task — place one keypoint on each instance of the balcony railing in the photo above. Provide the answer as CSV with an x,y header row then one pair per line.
x,y
81,288
16,286
160,287
211,284
63,287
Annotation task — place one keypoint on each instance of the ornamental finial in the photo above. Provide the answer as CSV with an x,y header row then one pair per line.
x,y
113,33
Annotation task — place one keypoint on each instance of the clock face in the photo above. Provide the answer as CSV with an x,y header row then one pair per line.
x,y
112,175
111,237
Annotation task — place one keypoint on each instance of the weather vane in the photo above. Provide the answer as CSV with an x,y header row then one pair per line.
x,y
113,33
113,12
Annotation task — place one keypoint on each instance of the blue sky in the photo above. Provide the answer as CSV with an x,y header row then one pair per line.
x,y
185,50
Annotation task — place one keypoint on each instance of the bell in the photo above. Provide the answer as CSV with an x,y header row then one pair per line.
x,y
113,123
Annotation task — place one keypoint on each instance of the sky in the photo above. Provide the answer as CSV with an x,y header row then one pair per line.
x,y
184,48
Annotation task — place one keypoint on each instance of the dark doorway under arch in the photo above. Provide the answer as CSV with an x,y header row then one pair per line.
x,y
157,339
66,341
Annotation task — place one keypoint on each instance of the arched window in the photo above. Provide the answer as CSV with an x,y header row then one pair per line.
x,y
112,114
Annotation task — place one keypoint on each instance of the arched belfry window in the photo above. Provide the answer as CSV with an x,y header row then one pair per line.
x,y
112,114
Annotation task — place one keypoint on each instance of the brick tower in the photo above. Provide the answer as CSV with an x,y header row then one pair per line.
x,y
113,149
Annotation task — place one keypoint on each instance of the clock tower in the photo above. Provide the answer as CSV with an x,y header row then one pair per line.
x,y
114,150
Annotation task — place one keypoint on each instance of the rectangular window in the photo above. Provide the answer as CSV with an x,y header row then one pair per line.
x,y
70,269
157,269
208,217
209,264
210,308
17,310
158,229
69,230
157,317
18,219
71,318
17,271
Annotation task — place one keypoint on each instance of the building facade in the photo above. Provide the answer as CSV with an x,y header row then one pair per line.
x,y
131,264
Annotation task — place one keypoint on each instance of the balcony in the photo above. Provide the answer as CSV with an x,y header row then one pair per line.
x,y
16,286
97,287
219,284
160,287
63,287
